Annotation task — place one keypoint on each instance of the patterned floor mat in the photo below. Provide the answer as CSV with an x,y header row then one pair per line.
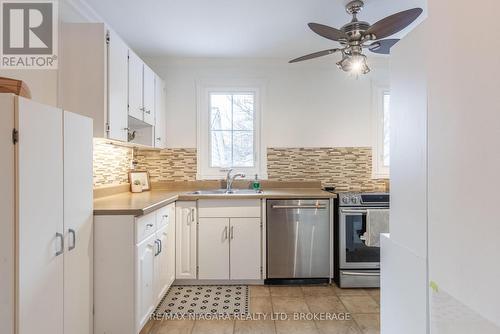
x,y
205,299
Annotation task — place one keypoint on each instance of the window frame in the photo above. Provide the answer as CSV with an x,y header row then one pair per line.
x,y
379,170
204,89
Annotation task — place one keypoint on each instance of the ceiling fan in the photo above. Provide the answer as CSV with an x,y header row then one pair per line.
x,y
358,35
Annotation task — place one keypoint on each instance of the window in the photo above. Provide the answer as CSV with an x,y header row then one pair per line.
x,y
381,129
229,131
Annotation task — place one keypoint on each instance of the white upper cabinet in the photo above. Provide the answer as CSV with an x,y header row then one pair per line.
x,y
117,87
135,92
149,95
160,114
109,84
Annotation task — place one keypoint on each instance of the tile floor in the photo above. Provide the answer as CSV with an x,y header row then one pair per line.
x,y
363,305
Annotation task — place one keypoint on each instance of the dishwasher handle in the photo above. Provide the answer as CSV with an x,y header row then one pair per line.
x,y
299,206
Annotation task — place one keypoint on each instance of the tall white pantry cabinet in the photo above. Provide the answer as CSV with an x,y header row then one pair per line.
x,y
46,229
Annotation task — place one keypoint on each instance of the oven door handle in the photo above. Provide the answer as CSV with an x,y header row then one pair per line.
x,y
354,273
354,211
301,206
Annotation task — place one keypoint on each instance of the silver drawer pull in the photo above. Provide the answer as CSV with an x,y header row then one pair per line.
x,y
72,239
354,273
320,207
149,225
61,243
355,211
231,233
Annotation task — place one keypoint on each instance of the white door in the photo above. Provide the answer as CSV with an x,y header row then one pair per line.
x,y
145,299
185,218
213,243
161,271
149,95
245,248
78,218
160,114
40,217
135,82
117,87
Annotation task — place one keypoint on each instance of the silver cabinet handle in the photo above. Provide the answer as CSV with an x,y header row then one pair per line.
x,y
161,246
61,243
353,273
142,108
72,239
192,215
320,207
147,111
157,247
149,225
158,138
225,233
231,233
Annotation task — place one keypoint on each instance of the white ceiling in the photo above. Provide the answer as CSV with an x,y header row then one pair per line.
x,y
232,28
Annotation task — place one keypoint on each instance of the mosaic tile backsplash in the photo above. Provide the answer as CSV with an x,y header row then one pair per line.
x,y
111,163
177,164
347,168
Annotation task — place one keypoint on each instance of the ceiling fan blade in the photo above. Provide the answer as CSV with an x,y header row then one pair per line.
x,y
314,55
383,46
328,32
394,23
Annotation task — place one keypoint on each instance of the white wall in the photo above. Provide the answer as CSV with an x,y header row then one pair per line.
x,y
306,105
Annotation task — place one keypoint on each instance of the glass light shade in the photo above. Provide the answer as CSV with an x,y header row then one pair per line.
x,y
354,64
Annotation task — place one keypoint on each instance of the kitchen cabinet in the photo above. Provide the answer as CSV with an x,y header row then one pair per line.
x,y
186,231
148,88
135,84
109,84
145,267
160,113
47,220
213,248
117,122
245,248
134,267
230,247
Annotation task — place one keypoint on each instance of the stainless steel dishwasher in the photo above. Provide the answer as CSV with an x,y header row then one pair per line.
x,y
298,239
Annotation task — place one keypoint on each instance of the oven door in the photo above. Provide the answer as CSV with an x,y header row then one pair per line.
x,y
353,251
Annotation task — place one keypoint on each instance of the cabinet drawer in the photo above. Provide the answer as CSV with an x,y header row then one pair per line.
x,y
145,226
229,208
165,216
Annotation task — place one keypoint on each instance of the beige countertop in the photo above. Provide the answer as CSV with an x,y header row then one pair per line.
x,y
126,203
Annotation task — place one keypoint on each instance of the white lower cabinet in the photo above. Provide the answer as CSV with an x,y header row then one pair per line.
x,y
134,266
245,248
186,222
230,247
213,248
146,270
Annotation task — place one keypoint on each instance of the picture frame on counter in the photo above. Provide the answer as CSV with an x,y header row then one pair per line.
x,y
142,176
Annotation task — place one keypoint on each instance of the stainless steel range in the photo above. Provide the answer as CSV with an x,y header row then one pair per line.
x,y
357,265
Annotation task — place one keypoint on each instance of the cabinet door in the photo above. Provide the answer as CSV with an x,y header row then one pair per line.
x,y
245,248
170,246
160,114
149,95
145,299
40,217
161,264
213,243
185,217
78,218
117,116
135,82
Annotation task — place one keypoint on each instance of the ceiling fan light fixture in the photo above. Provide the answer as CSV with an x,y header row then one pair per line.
x,y
355,64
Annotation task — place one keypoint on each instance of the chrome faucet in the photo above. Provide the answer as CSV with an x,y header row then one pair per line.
x,y
230,180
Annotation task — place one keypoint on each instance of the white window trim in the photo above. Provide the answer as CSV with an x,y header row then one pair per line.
x,y
379,171
203,89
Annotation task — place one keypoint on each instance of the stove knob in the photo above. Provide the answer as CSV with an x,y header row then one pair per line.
x,y
354,200
345,200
